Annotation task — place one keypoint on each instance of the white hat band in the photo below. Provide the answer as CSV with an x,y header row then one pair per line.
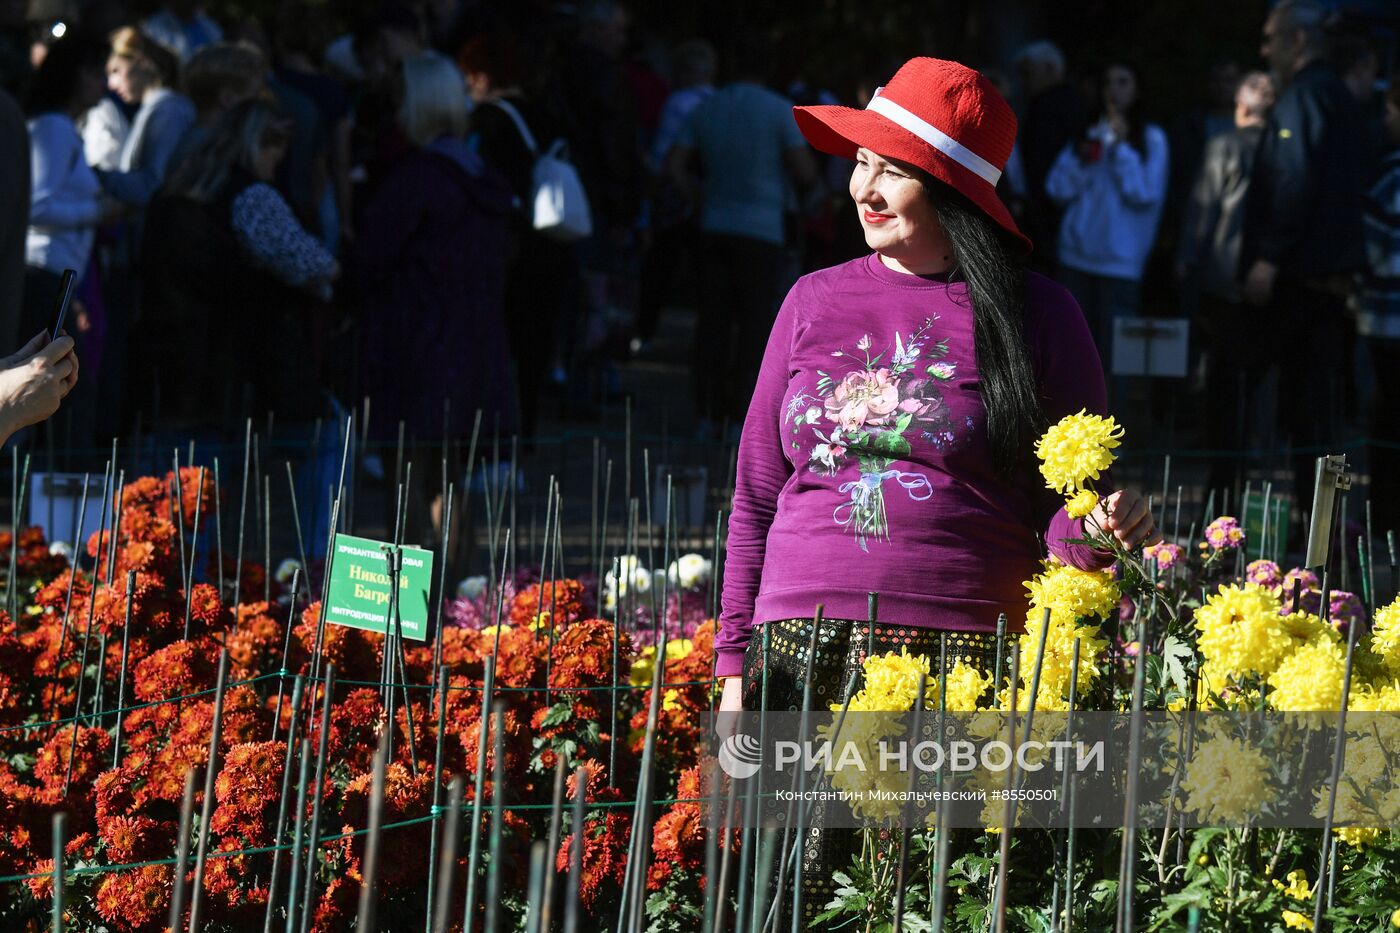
x,y
935,138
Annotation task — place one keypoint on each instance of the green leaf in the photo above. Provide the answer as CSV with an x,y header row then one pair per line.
x,y
1174,653
558,714
891,445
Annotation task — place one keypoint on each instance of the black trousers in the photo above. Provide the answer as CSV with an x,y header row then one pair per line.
x,y
738,302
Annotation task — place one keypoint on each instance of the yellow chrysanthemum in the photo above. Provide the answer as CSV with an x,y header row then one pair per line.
x,y
1241,630
1385,636
1296,921
1297,888
1078,593
1081,503
1358,836
1076,449
643,667
966,685
1225,781
1304,627
891,682
1309,678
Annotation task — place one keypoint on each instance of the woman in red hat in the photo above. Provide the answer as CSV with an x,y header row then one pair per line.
x,y
888,448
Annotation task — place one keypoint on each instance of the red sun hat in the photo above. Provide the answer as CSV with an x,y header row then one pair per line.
x,y
941,116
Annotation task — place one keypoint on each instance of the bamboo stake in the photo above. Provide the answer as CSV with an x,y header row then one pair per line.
x,y
556,820
298,837
280,826
210,773
479,790
314,838
286,651
194,546
902,869
242,514
1128,870
73,569
1004,858
121,679
60,821
580,830
369,900
440,686
448,857
498,796
1338,757
182,855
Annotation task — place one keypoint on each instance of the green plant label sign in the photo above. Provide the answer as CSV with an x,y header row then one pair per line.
x,y
359,591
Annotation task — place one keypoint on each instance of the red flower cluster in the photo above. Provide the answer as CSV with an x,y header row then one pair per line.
x,y
554,680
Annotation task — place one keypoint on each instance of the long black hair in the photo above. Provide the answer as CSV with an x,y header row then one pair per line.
x,y
992,263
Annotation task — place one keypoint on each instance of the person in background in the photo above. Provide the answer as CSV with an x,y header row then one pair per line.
x,y
431,258
1208,261
1378,320
672,223
751,155
302,176
1302,240
493,65
1193,130
217,78
15,67
1111,181
1053,111
66,200
1355,56
141,73
227,267
237,164
182,27
14,214
298,39
594,104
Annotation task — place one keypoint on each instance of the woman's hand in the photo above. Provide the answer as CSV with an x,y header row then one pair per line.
x,y
730,701
1124,516
35,380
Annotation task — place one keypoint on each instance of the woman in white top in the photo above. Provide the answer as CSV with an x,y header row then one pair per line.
x,y
140,71
1112,181
65,198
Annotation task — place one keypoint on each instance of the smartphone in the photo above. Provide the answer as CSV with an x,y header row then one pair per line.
x,y
65,299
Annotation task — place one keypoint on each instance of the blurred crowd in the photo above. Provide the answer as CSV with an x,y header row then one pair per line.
x,y
299,213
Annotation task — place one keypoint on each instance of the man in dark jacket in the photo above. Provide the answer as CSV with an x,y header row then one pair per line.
x,y
1302,239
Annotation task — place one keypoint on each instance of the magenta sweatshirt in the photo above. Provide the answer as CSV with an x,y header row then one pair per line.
x,y
865,465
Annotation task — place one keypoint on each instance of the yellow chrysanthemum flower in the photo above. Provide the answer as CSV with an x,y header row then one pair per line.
x,y
1081,503
1075,449
1309,678
1385,636
1304,627
966,685
1296,921
1078,593
1358,836
1241,630
1225,781
891,682
1297,888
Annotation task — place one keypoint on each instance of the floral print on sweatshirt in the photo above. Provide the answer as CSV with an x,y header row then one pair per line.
x,y
868,416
